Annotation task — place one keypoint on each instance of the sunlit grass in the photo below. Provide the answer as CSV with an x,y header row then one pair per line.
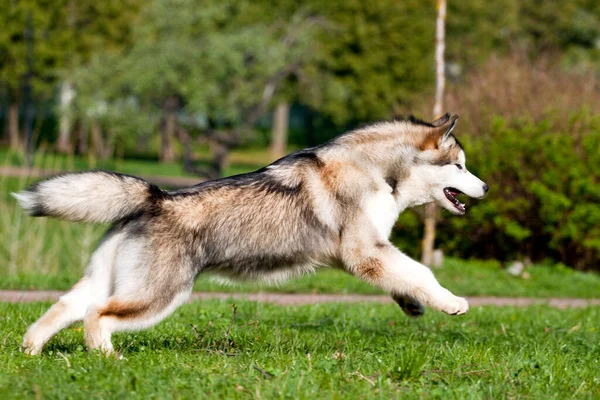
x,y
337,351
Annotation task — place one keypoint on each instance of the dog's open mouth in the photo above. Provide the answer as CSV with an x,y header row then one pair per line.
x,y
451,194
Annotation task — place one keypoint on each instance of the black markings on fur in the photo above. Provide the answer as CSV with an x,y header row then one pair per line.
x,y
270,185
258,179
250,265
443,160
302,156
459,144
156,193
414,120
409,305
399,299
417,121
38,209
393,183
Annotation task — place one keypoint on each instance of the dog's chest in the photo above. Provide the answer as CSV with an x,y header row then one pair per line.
x,y
382,210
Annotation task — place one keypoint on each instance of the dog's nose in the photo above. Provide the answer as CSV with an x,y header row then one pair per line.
x,y
485,188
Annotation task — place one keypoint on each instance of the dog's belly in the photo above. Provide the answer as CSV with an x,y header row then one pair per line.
x,y
239,263
273,276
276,255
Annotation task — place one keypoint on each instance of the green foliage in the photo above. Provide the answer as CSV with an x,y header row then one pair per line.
x,y
14,19
544,199
321,351
475,28
371,59
219,59
65,34
559,25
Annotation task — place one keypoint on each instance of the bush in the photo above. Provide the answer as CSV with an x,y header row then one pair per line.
x,y
544,199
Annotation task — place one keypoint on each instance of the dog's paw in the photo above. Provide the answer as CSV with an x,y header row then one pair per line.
x,y
410,306
30,347
455,306
446,302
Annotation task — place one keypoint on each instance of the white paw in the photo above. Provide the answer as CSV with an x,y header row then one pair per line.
x,y
451,304
455,306
107,348
31,347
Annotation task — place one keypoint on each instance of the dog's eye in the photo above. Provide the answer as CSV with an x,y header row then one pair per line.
x,y
458,166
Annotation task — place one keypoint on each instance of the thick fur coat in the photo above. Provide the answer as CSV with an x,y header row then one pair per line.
x,y
332,205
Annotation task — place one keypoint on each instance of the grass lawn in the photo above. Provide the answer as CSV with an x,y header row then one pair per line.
x,y
320,351
464,278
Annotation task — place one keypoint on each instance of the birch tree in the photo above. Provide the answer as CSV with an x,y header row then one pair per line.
x,y
431,210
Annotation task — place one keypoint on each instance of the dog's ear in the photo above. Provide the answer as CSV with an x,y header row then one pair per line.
x,y
444,126
441,120
439,133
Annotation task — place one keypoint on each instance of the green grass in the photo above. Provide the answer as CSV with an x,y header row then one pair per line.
x,y
321,351
465,278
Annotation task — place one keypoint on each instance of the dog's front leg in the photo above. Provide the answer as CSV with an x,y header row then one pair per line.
x,y
383,265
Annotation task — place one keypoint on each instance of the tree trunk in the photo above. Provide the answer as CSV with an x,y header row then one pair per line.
x,y
280,130
440,47
97,140
310,128
13,126
428,244
168,130
220,154
83,138
431,211
67,93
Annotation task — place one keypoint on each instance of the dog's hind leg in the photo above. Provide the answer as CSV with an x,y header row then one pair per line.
x,y
128,313
69,309
149,283
72,306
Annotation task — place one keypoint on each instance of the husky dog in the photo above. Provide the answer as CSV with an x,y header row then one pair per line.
x,y
334,205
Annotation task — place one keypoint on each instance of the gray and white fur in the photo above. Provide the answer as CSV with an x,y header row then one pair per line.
x,y
331,205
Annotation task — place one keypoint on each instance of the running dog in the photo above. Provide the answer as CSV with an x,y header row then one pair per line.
x,y
332,205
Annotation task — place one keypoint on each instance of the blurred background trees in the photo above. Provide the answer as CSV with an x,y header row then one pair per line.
x,y
163,79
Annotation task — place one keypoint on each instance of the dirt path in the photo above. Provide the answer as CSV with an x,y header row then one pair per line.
x,y
167,181
28,296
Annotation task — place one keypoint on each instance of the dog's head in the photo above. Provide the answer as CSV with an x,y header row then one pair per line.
x,y
439,165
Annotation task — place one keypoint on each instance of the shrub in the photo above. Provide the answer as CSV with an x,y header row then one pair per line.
x,y
544,199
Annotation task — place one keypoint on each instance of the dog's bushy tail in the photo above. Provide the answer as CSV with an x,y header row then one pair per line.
x,y
94,196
